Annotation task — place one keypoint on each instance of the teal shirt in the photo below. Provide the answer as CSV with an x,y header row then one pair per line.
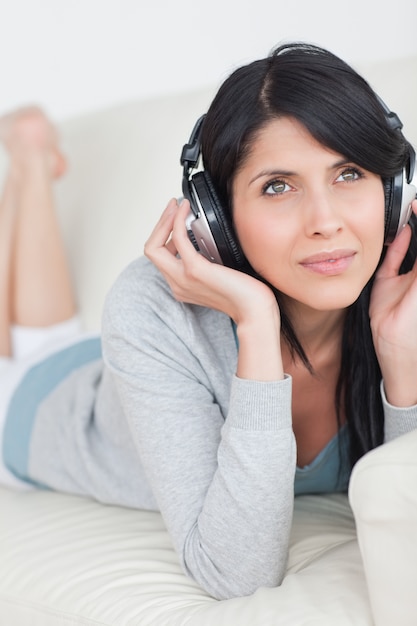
x,y
329,471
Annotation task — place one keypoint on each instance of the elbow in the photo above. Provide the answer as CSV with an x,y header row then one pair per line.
x,y
225,584
226,568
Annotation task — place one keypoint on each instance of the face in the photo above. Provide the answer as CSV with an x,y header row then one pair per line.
x,y
309,221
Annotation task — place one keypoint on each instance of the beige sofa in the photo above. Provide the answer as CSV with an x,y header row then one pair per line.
x,y
69,561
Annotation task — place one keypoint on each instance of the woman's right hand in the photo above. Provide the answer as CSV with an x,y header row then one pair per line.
x,y
195,280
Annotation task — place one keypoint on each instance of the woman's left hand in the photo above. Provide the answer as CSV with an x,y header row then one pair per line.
x,y
393,314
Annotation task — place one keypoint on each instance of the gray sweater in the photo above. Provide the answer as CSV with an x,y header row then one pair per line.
x,y
167,425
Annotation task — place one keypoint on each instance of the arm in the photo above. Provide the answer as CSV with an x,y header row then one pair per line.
x,y
218,450
393,314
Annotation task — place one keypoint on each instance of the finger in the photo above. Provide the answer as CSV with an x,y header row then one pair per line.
x,y
163,227
180,218
395,254
180,236
179,230
171,247
168,215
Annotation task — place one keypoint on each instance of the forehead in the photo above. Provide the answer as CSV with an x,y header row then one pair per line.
x,y
285,141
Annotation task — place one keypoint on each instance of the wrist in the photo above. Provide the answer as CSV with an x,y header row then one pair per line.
x,y
400,392
398,368
259,338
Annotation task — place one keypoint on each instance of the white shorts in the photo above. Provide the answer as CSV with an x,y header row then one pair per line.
x,y
29,345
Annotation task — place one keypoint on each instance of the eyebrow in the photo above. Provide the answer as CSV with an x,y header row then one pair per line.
x,y
287,173
269,173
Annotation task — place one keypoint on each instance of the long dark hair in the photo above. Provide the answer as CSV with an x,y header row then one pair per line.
x,y
342,112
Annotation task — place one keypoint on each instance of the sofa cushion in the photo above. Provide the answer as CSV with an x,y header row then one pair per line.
x,y
67,560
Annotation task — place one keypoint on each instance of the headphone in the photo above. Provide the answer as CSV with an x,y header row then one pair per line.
x,y
210,228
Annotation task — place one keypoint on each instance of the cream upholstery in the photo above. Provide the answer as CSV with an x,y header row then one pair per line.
x,y
67,560
383,494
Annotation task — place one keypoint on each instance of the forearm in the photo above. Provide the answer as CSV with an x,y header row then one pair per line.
x,y
255,475
218,450
233,536
240,540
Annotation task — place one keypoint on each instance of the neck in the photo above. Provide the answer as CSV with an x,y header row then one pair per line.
x,y
317,331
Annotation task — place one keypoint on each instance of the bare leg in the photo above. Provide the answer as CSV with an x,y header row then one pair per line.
x,y
38,287
7,223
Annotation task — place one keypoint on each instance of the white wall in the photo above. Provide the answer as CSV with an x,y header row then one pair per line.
x,y
76,55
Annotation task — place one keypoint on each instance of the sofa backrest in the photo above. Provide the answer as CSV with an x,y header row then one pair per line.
x,y
124,167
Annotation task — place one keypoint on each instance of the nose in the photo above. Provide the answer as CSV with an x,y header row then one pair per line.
x,y
322,217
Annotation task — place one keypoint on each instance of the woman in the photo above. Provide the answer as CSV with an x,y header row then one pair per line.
x,y
225,392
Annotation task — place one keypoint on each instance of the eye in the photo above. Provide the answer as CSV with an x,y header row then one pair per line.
x,y
349,175
275,188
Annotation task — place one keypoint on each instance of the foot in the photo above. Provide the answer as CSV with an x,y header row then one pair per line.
x,y
27,131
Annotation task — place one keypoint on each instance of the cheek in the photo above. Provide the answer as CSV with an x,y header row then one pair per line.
x,y
262,240
373,225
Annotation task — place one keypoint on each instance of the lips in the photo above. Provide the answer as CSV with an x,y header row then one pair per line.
x,y
329,263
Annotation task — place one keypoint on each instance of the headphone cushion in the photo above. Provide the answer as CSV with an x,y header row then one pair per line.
x,y
219,222
393,193
388,193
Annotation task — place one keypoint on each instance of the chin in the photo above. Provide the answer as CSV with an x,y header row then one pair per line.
x,y
334,302
327,299
326,307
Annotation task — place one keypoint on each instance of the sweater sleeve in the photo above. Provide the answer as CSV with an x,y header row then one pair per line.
x,y
223,478
398,420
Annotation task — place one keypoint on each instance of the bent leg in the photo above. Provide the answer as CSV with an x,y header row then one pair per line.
x,y
383,496
39,284
7,232
37,304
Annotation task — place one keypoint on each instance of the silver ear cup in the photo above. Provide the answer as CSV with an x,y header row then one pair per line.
x,y
200,235
409,193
